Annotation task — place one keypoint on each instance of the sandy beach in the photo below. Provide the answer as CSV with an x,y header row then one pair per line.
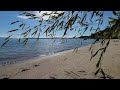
x,y
67,65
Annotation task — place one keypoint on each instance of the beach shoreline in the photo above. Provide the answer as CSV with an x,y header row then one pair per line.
x,y
66,65
43,56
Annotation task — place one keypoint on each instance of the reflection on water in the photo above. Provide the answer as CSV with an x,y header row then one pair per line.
x,y
12,53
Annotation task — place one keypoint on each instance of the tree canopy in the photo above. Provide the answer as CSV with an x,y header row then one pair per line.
x,y
63,20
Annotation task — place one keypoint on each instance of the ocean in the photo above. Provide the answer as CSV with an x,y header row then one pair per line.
x,y
13,53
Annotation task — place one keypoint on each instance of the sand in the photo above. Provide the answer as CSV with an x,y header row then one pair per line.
x,y
67,65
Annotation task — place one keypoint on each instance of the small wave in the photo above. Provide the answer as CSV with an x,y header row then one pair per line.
x,y
3,63
42,55
51,53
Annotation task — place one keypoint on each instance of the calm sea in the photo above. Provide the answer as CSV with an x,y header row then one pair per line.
x,y
13,53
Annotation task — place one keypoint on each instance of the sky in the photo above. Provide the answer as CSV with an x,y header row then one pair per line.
x,y
6,17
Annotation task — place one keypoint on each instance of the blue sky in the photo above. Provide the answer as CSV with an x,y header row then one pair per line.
x,y
6,17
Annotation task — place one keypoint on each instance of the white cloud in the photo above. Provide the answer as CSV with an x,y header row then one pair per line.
x,y
3,35
23,17
40,15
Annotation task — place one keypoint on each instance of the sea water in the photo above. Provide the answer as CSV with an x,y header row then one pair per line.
x,y
13,53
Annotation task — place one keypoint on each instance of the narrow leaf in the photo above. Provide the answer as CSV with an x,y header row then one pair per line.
x,y
14,22
96,53
21,25
4,43
103,73
97,72
13,30
65,32
92,14
91,28
114,13
8,37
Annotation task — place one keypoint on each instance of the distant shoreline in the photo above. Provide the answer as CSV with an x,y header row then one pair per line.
x,y
47,38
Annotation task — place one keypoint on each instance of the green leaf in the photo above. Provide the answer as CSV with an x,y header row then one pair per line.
x,y
4,43
34,33
97,20
25,35
97,72
71,29
61,14
91,28
112,19
74,19
14,22
98,63
36,27
101,22
19,40
65,32
21,25
103,73
82,19
85,30
94,43
46,31
13,30
73,12
97,13
96,53
92,14
25,41
114,12
91,21
26,32
23,12
8,37
112,22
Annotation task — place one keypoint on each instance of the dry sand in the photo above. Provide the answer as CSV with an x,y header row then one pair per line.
x,y
67,65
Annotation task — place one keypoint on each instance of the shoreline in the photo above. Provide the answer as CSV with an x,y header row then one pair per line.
x,y
66,65
40,57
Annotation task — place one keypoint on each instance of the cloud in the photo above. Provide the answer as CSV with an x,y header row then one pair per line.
x,y
23,17
40,15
